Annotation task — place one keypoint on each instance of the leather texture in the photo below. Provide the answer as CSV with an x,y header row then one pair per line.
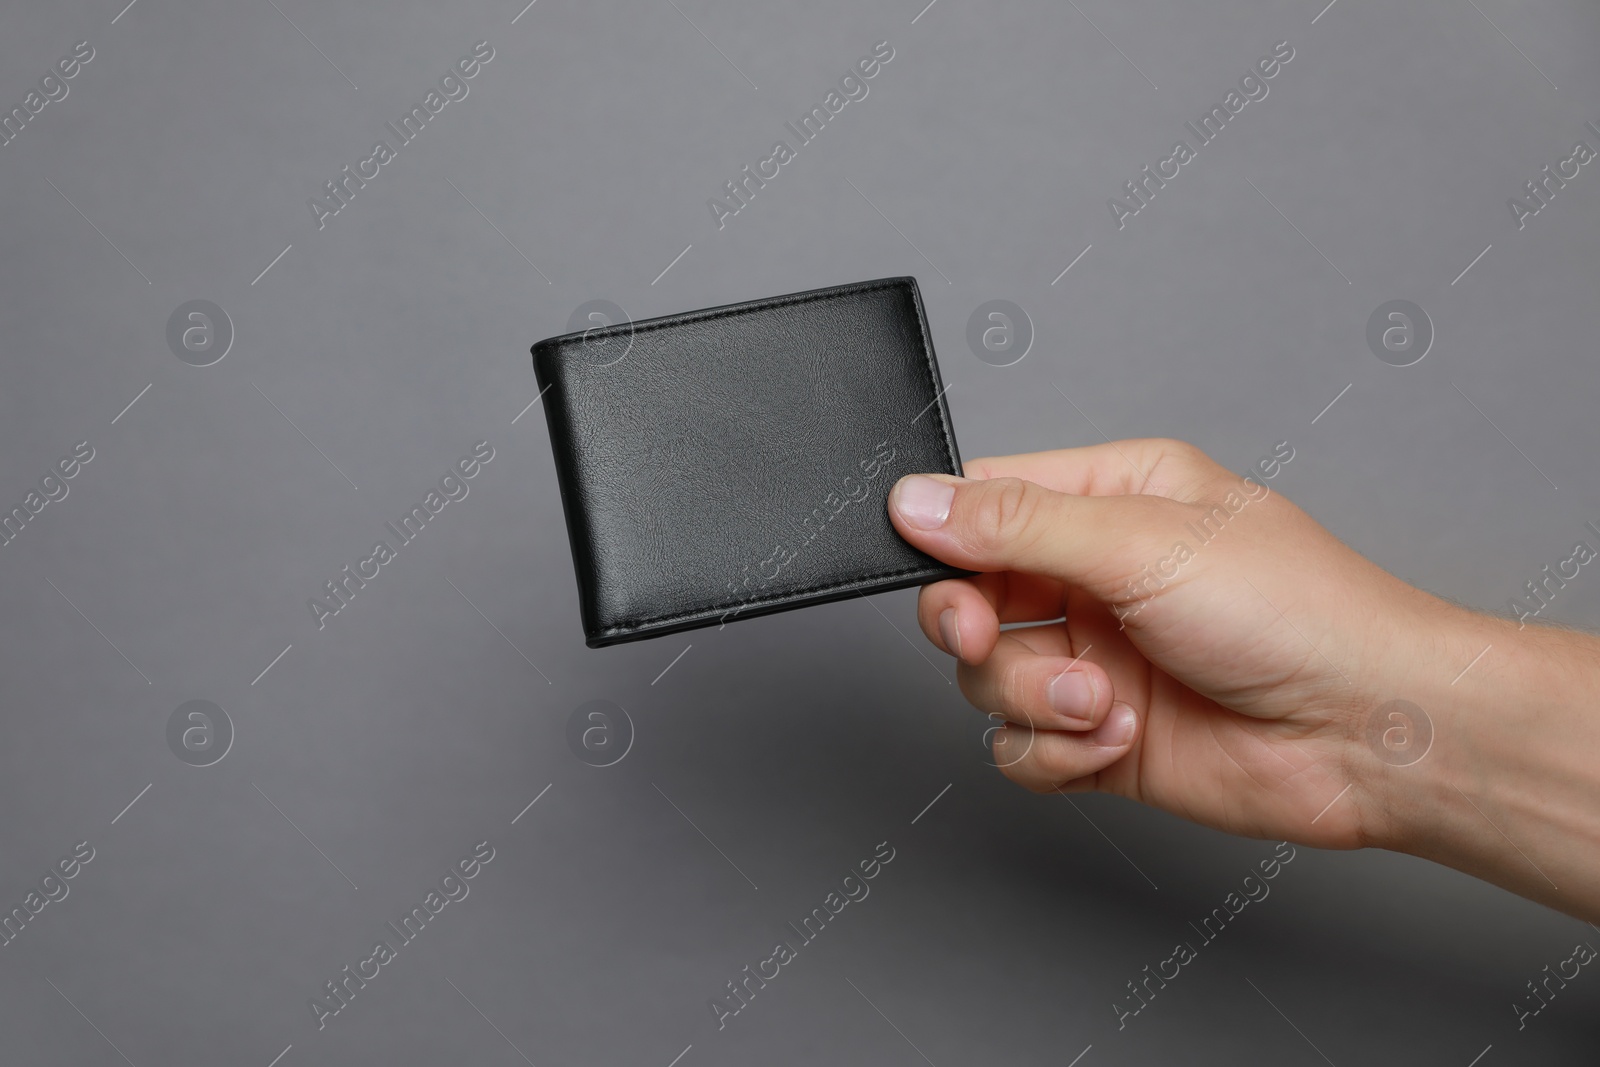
x,y
737,461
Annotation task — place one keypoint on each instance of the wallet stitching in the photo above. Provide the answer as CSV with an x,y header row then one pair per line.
x,y
944,432
633,624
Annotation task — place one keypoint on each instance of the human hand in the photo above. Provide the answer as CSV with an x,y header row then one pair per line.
x,y
1219,652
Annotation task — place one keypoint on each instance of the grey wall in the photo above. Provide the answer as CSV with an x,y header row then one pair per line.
x,y
426,716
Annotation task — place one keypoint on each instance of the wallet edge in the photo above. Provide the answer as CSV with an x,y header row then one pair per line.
x,y
700,620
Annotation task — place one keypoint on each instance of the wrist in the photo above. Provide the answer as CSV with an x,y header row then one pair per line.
x,y
1502,787
1422,734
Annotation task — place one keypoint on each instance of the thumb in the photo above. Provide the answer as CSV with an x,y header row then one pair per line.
x,y
1007,524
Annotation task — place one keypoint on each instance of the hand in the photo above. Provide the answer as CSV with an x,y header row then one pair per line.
x,y
1218,652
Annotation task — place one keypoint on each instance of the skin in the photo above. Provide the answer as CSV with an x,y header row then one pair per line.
x,y
1245,684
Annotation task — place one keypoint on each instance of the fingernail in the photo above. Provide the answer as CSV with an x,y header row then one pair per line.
x,y
922,502
949,632
1118,728
1072,693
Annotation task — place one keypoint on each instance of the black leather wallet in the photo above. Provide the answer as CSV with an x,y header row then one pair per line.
x,y
737,461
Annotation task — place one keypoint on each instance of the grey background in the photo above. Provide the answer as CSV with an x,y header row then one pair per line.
x,y
416,724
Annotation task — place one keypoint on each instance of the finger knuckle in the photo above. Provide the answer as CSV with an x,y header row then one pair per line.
x,y
1058,765
1178,448
1016,692
1004,509
1009,743
1177,463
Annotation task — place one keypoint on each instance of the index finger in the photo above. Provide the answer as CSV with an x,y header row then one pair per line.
x,y
1151,466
